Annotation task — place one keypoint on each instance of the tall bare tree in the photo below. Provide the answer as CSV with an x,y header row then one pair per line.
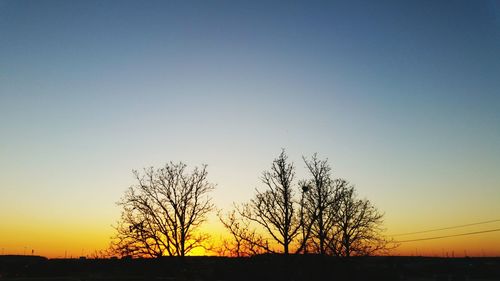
x,y
275,209
162,213
321,202
334,220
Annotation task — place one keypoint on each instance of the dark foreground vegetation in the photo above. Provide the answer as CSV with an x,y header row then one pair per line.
x,y
264,267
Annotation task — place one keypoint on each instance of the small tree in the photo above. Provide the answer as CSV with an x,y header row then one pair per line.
x,y
359,227
162,213
244,241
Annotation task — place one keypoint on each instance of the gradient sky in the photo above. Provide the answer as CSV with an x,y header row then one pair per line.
x,y
403,97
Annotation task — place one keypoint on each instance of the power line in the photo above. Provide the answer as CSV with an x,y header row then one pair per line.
x,y
447,236
445,228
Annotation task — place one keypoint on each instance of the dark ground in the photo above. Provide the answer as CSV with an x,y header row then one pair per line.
x,y
266,267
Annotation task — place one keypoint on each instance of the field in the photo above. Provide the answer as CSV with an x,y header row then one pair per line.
x,y
266,267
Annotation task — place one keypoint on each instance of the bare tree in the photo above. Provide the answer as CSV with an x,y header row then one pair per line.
x,y
321,201
334,220
329,219
307,215
162,213
359,227
244,240
274,209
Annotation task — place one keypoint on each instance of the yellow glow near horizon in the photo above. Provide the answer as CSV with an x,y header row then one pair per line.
x,y
74,239
66,244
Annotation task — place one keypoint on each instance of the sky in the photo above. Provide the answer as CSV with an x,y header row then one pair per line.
x,y
402,97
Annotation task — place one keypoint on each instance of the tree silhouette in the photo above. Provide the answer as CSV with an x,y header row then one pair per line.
x,y
275,209
359,226
162,213
319,204
244,241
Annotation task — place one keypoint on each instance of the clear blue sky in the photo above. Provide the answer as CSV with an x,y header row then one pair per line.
x,y
403,97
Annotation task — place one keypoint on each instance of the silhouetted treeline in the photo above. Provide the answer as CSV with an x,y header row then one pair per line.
x,y
261,267
163,213
319,214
